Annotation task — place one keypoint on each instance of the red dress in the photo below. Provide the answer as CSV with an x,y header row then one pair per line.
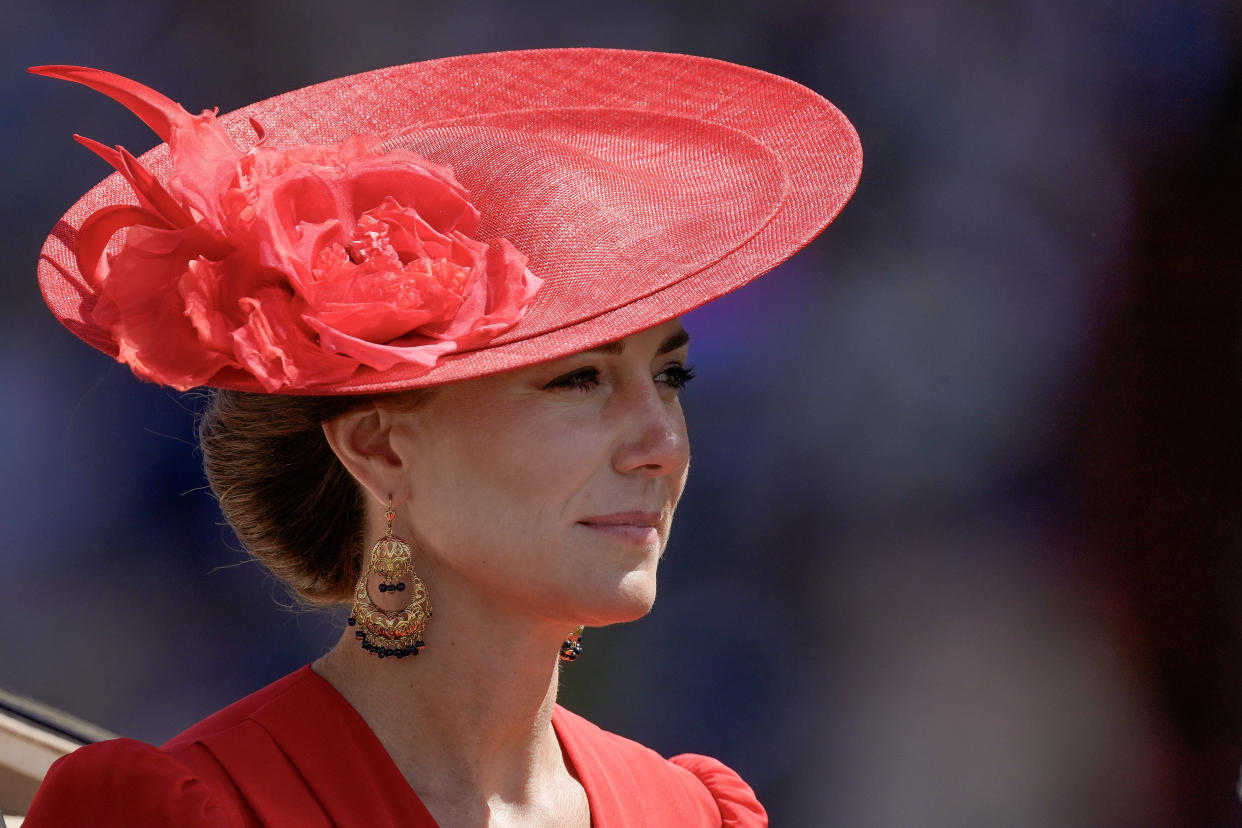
x,y
296,753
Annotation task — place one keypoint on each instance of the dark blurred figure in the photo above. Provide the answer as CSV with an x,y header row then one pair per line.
x,y
1159,457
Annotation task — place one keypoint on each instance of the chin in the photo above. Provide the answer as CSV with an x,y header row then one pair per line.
x,y
628,600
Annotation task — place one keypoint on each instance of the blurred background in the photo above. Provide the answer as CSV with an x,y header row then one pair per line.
x,y
962,543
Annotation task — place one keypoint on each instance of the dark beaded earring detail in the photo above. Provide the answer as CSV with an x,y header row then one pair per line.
x,y
383,633
572,648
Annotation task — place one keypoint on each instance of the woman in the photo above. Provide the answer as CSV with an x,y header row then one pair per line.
x,y
442,303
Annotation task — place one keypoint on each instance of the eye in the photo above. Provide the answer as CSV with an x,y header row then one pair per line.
x,y
675,377
583,379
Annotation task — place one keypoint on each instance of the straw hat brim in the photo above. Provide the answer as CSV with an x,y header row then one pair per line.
x,y
641,185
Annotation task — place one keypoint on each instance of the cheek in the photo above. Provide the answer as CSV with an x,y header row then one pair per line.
x,y
490,482
679,486
677,479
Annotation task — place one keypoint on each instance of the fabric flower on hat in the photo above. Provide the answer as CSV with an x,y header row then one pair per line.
x,y
295,266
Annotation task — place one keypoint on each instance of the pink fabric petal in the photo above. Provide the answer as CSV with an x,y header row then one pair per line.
x,y
156,111
382,305
99,228
198,144
293,265
289,221
199,289
150,193
140,306
418,351
204,165
408,234
493,303
277,348
440,202
259,131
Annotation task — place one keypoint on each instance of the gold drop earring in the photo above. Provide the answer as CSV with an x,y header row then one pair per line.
x,y
396,634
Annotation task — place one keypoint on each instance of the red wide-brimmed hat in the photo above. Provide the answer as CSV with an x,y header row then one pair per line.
x,y
440,220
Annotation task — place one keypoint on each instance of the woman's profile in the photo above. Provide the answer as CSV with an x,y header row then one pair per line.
x,y
440,305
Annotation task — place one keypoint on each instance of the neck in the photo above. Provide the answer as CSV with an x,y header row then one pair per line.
x,y
468,719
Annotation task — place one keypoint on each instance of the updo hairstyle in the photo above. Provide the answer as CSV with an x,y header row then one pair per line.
x,y
292,503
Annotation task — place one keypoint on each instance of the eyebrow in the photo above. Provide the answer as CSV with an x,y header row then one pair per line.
x,y
677,340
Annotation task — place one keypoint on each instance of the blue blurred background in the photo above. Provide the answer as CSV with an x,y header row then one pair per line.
x,y
961,542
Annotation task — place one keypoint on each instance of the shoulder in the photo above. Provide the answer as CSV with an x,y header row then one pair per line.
x,y
698,785
123,782
197,778
737,802
236,714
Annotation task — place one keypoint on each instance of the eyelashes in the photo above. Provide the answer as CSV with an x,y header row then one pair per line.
x,y
582,379
675,377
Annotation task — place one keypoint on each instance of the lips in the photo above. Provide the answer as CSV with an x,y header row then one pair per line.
x,y
624,519
637,527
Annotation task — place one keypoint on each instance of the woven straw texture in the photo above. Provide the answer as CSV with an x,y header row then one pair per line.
x,y
640,185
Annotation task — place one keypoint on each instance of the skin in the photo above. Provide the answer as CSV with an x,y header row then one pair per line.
x,y
535,500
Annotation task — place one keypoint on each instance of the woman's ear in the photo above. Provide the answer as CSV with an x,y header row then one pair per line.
x,y
362,441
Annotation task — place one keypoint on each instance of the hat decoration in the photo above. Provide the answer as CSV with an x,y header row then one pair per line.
x,y
294,266
499,210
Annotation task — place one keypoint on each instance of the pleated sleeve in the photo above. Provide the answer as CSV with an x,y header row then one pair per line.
x,y
739,808
125,783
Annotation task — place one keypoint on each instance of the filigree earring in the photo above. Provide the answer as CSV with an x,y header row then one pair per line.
x,y
400,633
572,648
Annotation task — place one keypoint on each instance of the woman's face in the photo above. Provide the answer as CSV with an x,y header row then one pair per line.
x,y
550,490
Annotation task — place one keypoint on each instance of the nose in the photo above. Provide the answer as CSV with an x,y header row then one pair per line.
x,y
653,438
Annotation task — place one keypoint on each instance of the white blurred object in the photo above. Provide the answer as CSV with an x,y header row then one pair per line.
x,y
32,737
26,753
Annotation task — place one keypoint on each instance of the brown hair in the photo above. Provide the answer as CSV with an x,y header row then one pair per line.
x,y
280,486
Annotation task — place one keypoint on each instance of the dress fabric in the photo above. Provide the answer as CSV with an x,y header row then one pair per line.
x,y
297,753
